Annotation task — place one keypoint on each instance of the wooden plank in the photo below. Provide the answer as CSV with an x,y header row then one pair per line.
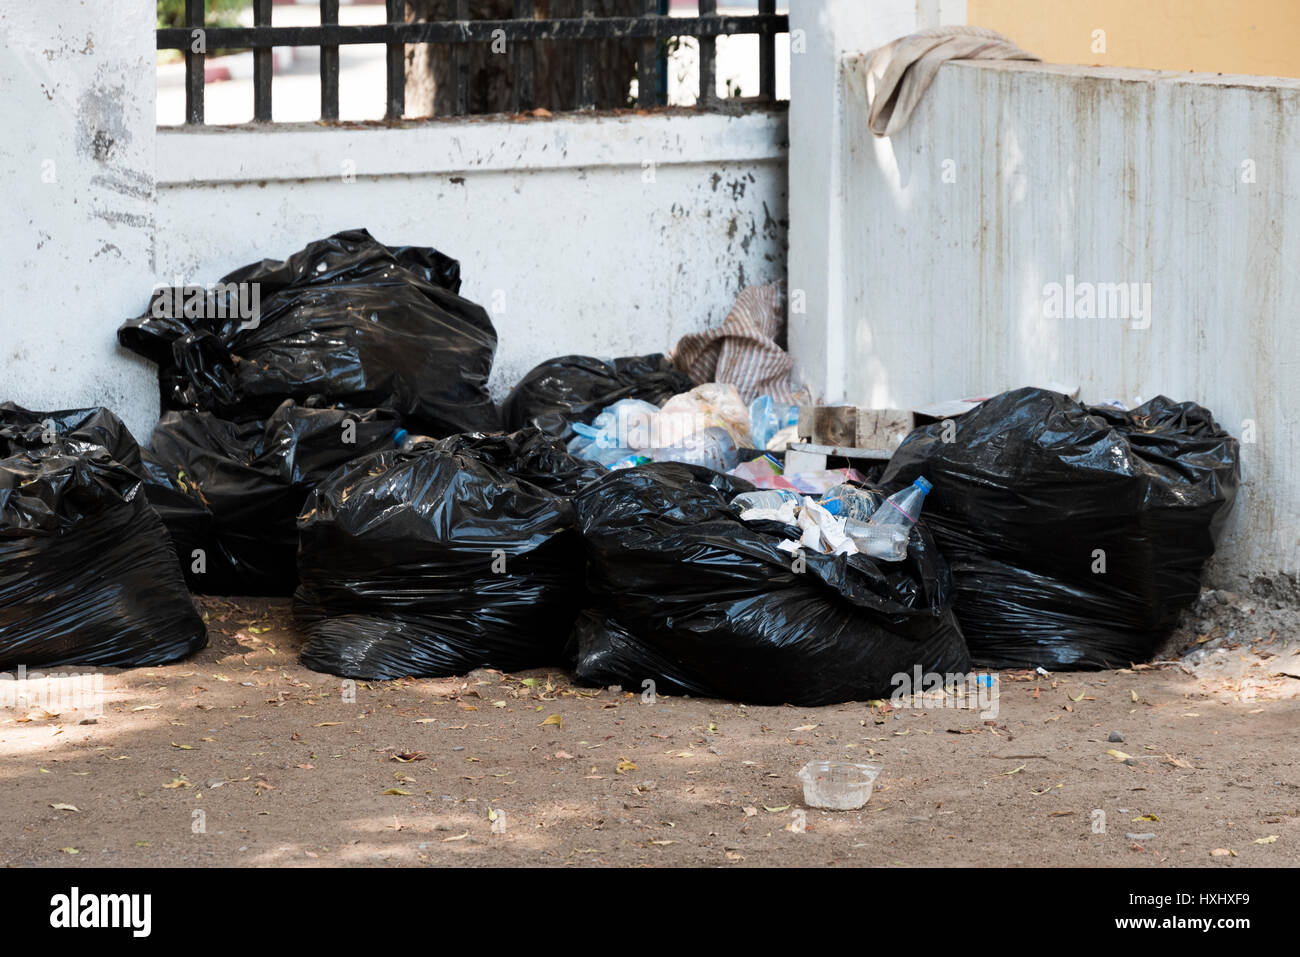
x,y
329,64
194,62
479,31
767,55
263,66
647,64
460,65
521,55
587,64
396,62
708,60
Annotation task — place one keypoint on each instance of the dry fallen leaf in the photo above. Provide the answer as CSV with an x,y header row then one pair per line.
x,y
72,807
1263,840
1223,852
554,719
397,791
1118,755
177,783
624,765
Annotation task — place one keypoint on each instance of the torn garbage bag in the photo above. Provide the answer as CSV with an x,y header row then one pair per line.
x,y
691,597
569,389
230,492
345,321
87,573
1075,534
433,561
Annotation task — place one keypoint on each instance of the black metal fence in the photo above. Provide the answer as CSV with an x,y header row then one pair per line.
x,y
649,28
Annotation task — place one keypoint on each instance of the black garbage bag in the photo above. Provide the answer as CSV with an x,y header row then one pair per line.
x,y
559,392
87,573
529,454
1075,534
72,430
345,321
433,562
230,492
695,600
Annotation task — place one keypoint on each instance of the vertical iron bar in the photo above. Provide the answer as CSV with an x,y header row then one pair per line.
x,y
194,65
587,64
263,66
460,64
329,64
396,10
647,67
767,55
522,56
708,60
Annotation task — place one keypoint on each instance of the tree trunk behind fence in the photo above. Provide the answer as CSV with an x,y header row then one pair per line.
x,y
491,80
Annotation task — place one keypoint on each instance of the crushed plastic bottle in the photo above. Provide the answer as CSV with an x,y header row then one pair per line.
x,y
886,535
772,498
850,502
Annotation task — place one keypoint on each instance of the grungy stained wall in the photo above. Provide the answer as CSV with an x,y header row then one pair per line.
x,y
1012,177
598,234
602,235
77,220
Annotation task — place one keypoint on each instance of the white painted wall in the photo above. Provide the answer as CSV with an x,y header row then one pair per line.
x,y
822,33
579,234
1108,175
600,235
77,219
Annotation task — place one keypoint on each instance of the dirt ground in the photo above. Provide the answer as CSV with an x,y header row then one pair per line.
x,y
240,756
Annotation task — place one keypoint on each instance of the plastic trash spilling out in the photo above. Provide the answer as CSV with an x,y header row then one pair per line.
x,y
1076,535
767,472
230,492
575,389
87,573
885,534
345,321
847,520
704,426
441,559
696,601
768,419
837,785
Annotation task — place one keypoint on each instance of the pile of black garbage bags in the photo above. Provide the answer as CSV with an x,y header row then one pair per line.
x,y
337,442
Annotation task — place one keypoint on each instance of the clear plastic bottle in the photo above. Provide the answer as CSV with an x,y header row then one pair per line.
x,y
885,536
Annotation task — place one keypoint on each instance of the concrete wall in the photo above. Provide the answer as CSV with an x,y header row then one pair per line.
x,y
603,235
822,32
77,219
1011,177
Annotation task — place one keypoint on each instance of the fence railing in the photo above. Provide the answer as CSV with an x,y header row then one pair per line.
x,y
652,26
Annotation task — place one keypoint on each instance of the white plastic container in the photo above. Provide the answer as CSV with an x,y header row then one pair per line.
x,y
837,785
